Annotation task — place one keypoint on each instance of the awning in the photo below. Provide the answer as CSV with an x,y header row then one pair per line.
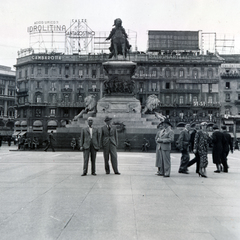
x,y
22,133
23,123
52,123
37,123
181,124
228,122
16,134
17,123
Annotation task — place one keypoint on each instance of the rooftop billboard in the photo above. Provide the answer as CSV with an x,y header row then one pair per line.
x,y
173,40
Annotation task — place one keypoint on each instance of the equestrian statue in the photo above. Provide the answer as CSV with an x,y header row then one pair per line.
x,y
119,42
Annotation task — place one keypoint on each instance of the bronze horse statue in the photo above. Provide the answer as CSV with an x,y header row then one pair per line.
x,y
119,43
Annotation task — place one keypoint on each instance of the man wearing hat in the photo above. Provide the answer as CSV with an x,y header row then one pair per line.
x,y
164,138
228,146
109,142
89,143
219,142
184,142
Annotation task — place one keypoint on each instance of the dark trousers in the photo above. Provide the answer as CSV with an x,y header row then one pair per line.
x,y
111,150
184,161
196,160
92,153
224,161
49,145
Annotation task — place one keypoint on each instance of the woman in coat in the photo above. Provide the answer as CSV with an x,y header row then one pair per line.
x,y
164,138
201,142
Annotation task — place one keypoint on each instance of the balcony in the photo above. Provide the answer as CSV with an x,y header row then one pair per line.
x,y
230,75
196,91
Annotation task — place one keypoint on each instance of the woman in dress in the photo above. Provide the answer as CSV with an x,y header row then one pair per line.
x,y
201,142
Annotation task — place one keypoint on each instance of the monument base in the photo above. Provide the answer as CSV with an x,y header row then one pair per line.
x,y
118,104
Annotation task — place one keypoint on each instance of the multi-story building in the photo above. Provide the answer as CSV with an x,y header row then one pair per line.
x,y
230,93
51,87
7,101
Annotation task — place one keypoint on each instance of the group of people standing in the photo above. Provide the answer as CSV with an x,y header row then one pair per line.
x,y
92,139
196,140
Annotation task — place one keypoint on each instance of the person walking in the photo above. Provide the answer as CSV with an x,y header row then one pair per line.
x,y
50,142
109,142
201,142
89,143
218,141
196,158
184,142
164,138
226,148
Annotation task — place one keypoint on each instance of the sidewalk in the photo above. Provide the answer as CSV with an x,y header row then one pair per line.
x,y
43,196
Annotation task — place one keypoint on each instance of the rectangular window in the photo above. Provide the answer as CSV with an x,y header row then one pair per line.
x,y
227,97
227,85
26,72
94,73
210,87
20,74
74,70
80,73
167,86
141,73
52,111
46,70
154,87
154,73
238,96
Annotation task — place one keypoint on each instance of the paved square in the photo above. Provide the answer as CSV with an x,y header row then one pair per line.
x,y
43,196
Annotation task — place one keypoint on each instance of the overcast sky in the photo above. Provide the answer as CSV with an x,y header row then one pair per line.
x,y
220,16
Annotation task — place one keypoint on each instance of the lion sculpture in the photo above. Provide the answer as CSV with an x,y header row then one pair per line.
x,y
152,103
90,103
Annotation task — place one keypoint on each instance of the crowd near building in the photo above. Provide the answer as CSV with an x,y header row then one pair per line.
x,y
191,86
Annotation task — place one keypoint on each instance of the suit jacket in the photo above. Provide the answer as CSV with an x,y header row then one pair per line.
x,y
108,136
86,139
229,142
164,138
184,140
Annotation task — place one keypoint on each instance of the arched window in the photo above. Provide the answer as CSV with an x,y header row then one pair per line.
x,y
168,73
210,99
141,72
195,73
38,98
181,100
154,73
210,73
181,73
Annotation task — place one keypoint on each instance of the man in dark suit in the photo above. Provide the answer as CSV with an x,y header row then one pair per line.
x,y
89,143
219,142
50,142
109,142
184,142
228,146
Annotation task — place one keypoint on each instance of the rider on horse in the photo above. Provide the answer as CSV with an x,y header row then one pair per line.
x,y
119,42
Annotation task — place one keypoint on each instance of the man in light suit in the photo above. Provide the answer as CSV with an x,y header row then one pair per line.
x,y
109,142
164,138
184,143
89,143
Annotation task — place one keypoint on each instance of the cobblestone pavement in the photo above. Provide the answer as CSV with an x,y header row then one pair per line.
x,y
43,196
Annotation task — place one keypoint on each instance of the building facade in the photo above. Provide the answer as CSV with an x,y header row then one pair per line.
x,y
7,101
230,94
51,87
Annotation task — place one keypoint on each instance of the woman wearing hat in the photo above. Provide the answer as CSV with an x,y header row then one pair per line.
x,y
164,138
